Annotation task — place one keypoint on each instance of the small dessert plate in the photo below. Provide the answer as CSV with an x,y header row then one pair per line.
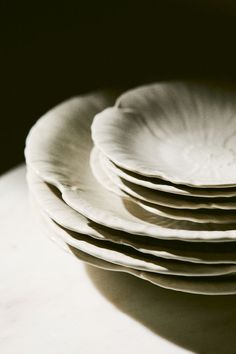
x,y
184,133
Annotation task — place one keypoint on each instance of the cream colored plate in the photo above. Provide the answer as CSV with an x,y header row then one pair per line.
x,y
49,200
219,285
58,149
165,186
162,198
183,133
202,285
125,256
197,216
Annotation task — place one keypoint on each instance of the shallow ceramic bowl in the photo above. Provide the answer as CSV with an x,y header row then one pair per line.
x,y
181,132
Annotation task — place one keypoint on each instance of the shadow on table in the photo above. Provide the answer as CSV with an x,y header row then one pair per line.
x,y
202,324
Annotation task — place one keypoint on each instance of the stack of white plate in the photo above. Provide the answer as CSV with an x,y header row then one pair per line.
x,y
144,183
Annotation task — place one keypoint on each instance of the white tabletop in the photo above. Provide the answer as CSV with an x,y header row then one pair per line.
x,y
50,303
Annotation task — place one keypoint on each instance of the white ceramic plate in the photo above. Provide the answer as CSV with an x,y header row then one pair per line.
x,y
127,257
58,149
183,133
202,285
218,285
165,186
197,216
49,200
162,198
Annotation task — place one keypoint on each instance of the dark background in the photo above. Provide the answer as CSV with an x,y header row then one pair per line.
x,y
55,50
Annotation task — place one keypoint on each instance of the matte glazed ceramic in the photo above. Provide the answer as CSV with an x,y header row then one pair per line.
x,y
182,132
49,200
58,149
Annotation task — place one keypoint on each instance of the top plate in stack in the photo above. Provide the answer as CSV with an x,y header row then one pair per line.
x,y
183,133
